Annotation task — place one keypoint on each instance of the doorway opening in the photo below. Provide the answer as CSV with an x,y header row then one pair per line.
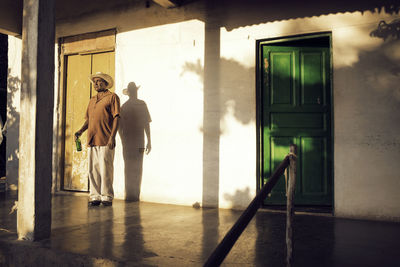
x,y
81,56
294,103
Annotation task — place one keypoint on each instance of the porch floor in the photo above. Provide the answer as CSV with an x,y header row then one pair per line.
x,y
148,234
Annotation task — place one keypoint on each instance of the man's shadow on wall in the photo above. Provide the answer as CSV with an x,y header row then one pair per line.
x,y
134,124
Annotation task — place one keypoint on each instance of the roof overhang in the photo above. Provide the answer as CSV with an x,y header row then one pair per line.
x,y
11,13
11,17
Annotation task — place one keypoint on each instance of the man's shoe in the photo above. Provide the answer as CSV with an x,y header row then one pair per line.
x,y
106,203
93,203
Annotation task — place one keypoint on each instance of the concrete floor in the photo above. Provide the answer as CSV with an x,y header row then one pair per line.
x,y
147,234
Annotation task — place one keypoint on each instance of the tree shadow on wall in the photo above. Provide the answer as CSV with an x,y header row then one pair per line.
x,y
387,55
228,92
237,94
387,31
135,117
381,92
369,110
12,154
376,107
239,197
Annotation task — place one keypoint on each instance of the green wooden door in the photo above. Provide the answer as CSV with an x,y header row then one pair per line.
x,y
296,108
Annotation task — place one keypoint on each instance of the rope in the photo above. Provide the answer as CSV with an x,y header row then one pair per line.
x,y
286,181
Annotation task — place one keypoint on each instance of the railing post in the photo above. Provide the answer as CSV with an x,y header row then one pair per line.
x,y
289,204
230,238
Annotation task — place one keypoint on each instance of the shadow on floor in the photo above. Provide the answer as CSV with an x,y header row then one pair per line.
x,y
147,234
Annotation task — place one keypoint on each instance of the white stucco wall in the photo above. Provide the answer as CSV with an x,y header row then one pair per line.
x,y
13,111
164,53
366,98
367,104
154,58
365,95
168,62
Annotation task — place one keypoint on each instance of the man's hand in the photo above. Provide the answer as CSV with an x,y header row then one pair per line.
x,y
148,148
77,134
111,143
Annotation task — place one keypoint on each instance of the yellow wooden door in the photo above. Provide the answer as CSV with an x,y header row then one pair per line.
x,y
78,93
104,62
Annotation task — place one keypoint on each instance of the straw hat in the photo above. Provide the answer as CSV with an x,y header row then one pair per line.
x,y
106,77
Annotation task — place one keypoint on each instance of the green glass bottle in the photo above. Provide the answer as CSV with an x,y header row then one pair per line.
x,y
78,144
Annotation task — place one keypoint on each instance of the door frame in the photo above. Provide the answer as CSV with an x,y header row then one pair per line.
x,y
88,43
260,95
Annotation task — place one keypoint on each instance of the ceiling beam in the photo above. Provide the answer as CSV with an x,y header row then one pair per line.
x,y
167,3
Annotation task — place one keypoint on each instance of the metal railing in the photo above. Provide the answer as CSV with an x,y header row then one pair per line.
x,y
234,233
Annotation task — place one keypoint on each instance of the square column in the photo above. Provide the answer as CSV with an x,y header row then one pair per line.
x,y
211,115
36,120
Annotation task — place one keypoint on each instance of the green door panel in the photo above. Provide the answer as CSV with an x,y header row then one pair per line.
x,y
279,149
313,78
296,108
281,86
296,120
313,164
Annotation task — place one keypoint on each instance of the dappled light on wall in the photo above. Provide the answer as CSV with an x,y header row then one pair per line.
x,y
239,198
236,93
383,81
14,85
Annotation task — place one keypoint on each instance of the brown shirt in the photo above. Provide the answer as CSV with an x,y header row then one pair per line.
x,y
100,114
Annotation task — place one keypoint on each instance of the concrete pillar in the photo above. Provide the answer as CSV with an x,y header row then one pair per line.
x,y
212,110
36,120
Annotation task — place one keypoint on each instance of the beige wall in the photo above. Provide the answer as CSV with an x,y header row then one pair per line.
x,y
154,58
13,113
196,67
198,53
367,104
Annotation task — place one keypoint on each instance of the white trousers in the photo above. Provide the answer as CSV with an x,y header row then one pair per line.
x,y
101,173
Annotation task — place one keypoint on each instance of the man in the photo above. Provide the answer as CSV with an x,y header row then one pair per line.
x,y
102,121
